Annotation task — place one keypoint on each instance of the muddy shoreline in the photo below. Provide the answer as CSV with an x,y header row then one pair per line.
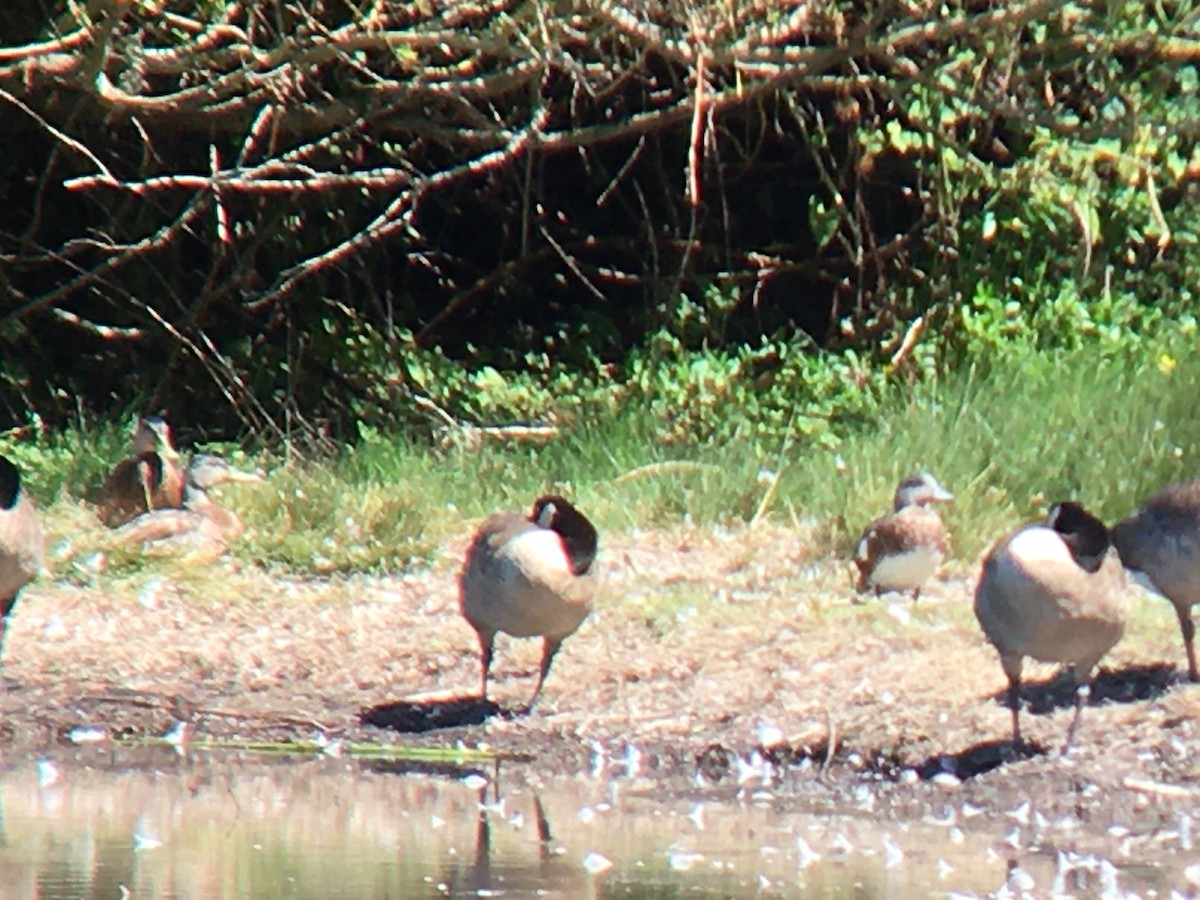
x,y
716,664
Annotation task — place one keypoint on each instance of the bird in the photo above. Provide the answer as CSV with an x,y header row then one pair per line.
x,y
1160,544
530,576
149,478
902,550
21,542
200,525
1056,592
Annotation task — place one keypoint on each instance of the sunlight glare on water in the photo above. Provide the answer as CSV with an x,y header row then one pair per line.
x,y
143,823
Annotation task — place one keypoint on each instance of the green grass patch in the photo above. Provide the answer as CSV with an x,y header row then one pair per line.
x,y
1106,421
446,755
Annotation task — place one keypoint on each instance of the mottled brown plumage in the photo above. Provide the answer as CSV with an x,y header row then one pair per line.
x,y
1161,540
201,527
21,541
529,576
902,550
150,478
1055,592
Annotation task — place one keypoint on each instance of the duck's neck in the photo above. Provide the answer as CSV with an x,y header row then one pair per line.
x,y
196,499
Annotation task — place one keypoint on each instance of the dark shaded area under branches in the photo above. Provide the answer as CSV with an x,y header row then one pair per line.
x,y
261,216
577,255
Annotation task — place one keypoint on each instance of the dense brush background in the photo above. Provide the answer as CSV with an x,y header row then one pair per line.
x,y
954,235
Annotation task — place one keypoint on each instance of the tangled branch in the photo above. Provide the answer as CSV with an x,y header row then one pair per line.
x,y
263,161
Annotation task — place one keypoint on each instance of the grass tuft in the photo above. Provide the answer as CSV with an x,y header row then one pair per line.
x,y
1107,425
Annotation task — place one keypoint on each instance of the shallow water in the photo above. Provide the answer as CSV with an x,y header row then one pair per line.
x,y
142,822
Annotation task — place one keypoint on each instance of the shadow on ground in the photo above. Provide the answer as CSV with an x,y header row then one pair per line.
x,y
1129,684
979,758
416,716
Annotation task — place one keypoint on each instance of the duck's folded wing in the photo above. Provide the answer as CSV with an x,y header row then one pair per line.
x,y
160,524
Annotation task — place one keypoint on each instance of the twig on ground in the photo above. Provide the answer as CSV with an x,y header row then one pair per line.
x,y
831,745
668,467
1145,786
173,706
452,432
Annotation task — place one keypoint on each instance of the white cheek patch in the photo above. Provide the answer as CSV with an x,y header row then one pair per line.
x,y
1038,544
538,550
546,516
860,552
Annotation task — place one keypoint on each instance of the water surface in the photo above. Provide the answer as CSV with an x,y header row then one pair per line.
x,y
149,823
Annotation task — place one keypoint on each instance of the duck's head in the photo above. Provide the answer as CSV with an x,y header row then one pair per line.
x,y
152,434
1084,534
578,534
206,471
920,490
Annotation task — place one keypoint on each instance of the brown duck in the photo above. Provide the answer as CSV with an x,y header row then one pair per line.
x,y
1160,544
530,576
20,540
148,479
1056,592
902,550
201,525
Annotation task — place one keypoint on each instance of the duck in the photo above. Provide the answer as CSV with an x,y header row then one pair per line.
x,y
1056,592
530,575
149,478
21,542
200,525
1160,545
902,550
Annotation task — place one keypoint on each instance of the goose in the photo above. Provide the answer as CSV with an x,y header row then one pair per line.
x,y
21,543
1160,545
201,524
1056,592
529,576
902,550
149,478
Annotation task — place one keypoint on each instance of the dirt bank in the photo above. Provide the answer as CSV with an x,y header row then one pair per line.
x,y
705,646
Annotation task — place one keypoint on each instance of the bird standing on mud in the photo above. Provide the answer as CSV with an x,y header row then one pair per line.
x,y
201,526
1056,592
902,550
530,576
150,478
1160,543
21,545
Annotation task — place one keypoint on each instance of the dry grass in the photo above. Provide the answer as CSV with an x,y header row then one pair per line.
x,y
700,637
